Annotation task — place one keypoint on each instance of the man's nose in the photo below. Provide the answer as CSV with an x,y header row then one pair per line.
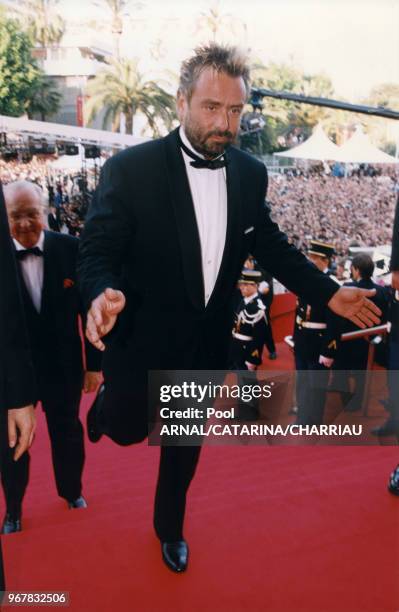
x,y
223,120
24,223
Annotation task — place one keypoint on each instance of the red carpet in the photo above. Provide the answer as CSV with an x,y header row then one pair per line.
x,y
278,529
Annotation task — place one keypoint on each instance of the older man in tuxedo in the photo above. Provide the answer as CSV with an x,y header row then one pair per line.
x,y
17,384
47,268
192,207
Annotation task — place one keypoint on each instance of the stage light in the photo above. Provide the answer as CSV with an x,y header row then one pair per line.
x,y
92,152
9,155
252,123
71,149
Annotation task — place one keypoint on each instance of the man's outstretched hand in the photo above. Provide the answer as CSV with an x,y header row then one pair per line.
x,y
353,304
102,315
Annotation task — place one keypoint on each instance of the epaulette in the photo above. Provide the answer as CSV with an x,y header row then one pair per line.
x,y
261,305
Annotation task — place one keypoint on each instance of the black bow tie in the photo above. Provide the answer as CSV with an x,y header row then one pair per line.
x,y
199,162
22,254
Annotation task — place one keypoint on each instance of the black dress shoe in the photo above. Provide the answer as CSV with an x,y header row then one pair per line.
x,y
273,355
389,428
393,485
11,524
175,555
94,431
79,502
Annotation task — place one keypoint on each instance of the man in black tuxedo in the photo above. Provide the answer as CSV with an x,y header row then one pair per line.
x,y
191,207
47,267
17,384
352,356
53,219
392,424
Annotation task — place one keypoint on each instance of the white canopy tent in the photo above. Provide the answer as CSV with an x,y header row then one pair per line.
x,y
317,147
70,133
359,150
73,162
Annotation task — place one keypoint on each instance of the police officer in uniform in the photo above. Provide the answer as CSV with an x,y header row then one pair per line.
x,y
316,338
249,334
265,290
352,356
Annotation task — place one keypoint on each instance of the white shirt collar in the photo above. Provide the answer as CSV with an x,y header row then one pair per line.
x,y
251,297
188,144
39,243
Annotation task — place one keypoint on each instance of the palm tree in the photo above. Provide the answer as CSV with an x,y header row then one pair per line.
x,y
117,8
45,25
216,22
45,98
121,88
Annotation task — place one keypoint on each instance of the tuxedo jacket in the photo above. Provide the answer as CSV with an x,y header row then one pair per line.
x,y
53,222
395,240
394,314
54,333
141,237
17,382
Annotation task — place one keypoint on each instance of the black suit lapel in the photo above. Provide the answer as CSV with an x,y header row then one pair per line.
x,y
185,220
27,298
50,265
232,247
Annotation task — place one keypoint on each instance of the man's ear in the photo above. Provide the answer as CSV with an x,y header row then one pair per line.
x,y
181,105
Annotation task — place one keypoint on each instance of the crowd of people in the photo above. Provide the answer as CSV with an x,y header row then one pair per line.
x,y
68,194
353,211
347,211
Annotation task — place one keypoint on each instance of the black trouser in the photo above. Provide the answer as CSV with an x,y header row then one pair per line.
x,y
351,362
311,389
247,410
125,419
269,340
61,407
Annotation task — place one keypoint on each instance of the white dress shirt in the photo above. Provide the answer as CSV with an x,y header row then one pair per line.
x,y
209,193
32,271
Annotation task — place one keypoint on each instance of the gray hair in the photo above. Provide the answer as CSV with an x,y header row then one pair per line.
x,y
11,189
221,58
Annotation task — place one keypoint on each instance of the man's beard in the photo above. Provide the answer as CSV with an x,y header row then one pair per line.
x,y
199,140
